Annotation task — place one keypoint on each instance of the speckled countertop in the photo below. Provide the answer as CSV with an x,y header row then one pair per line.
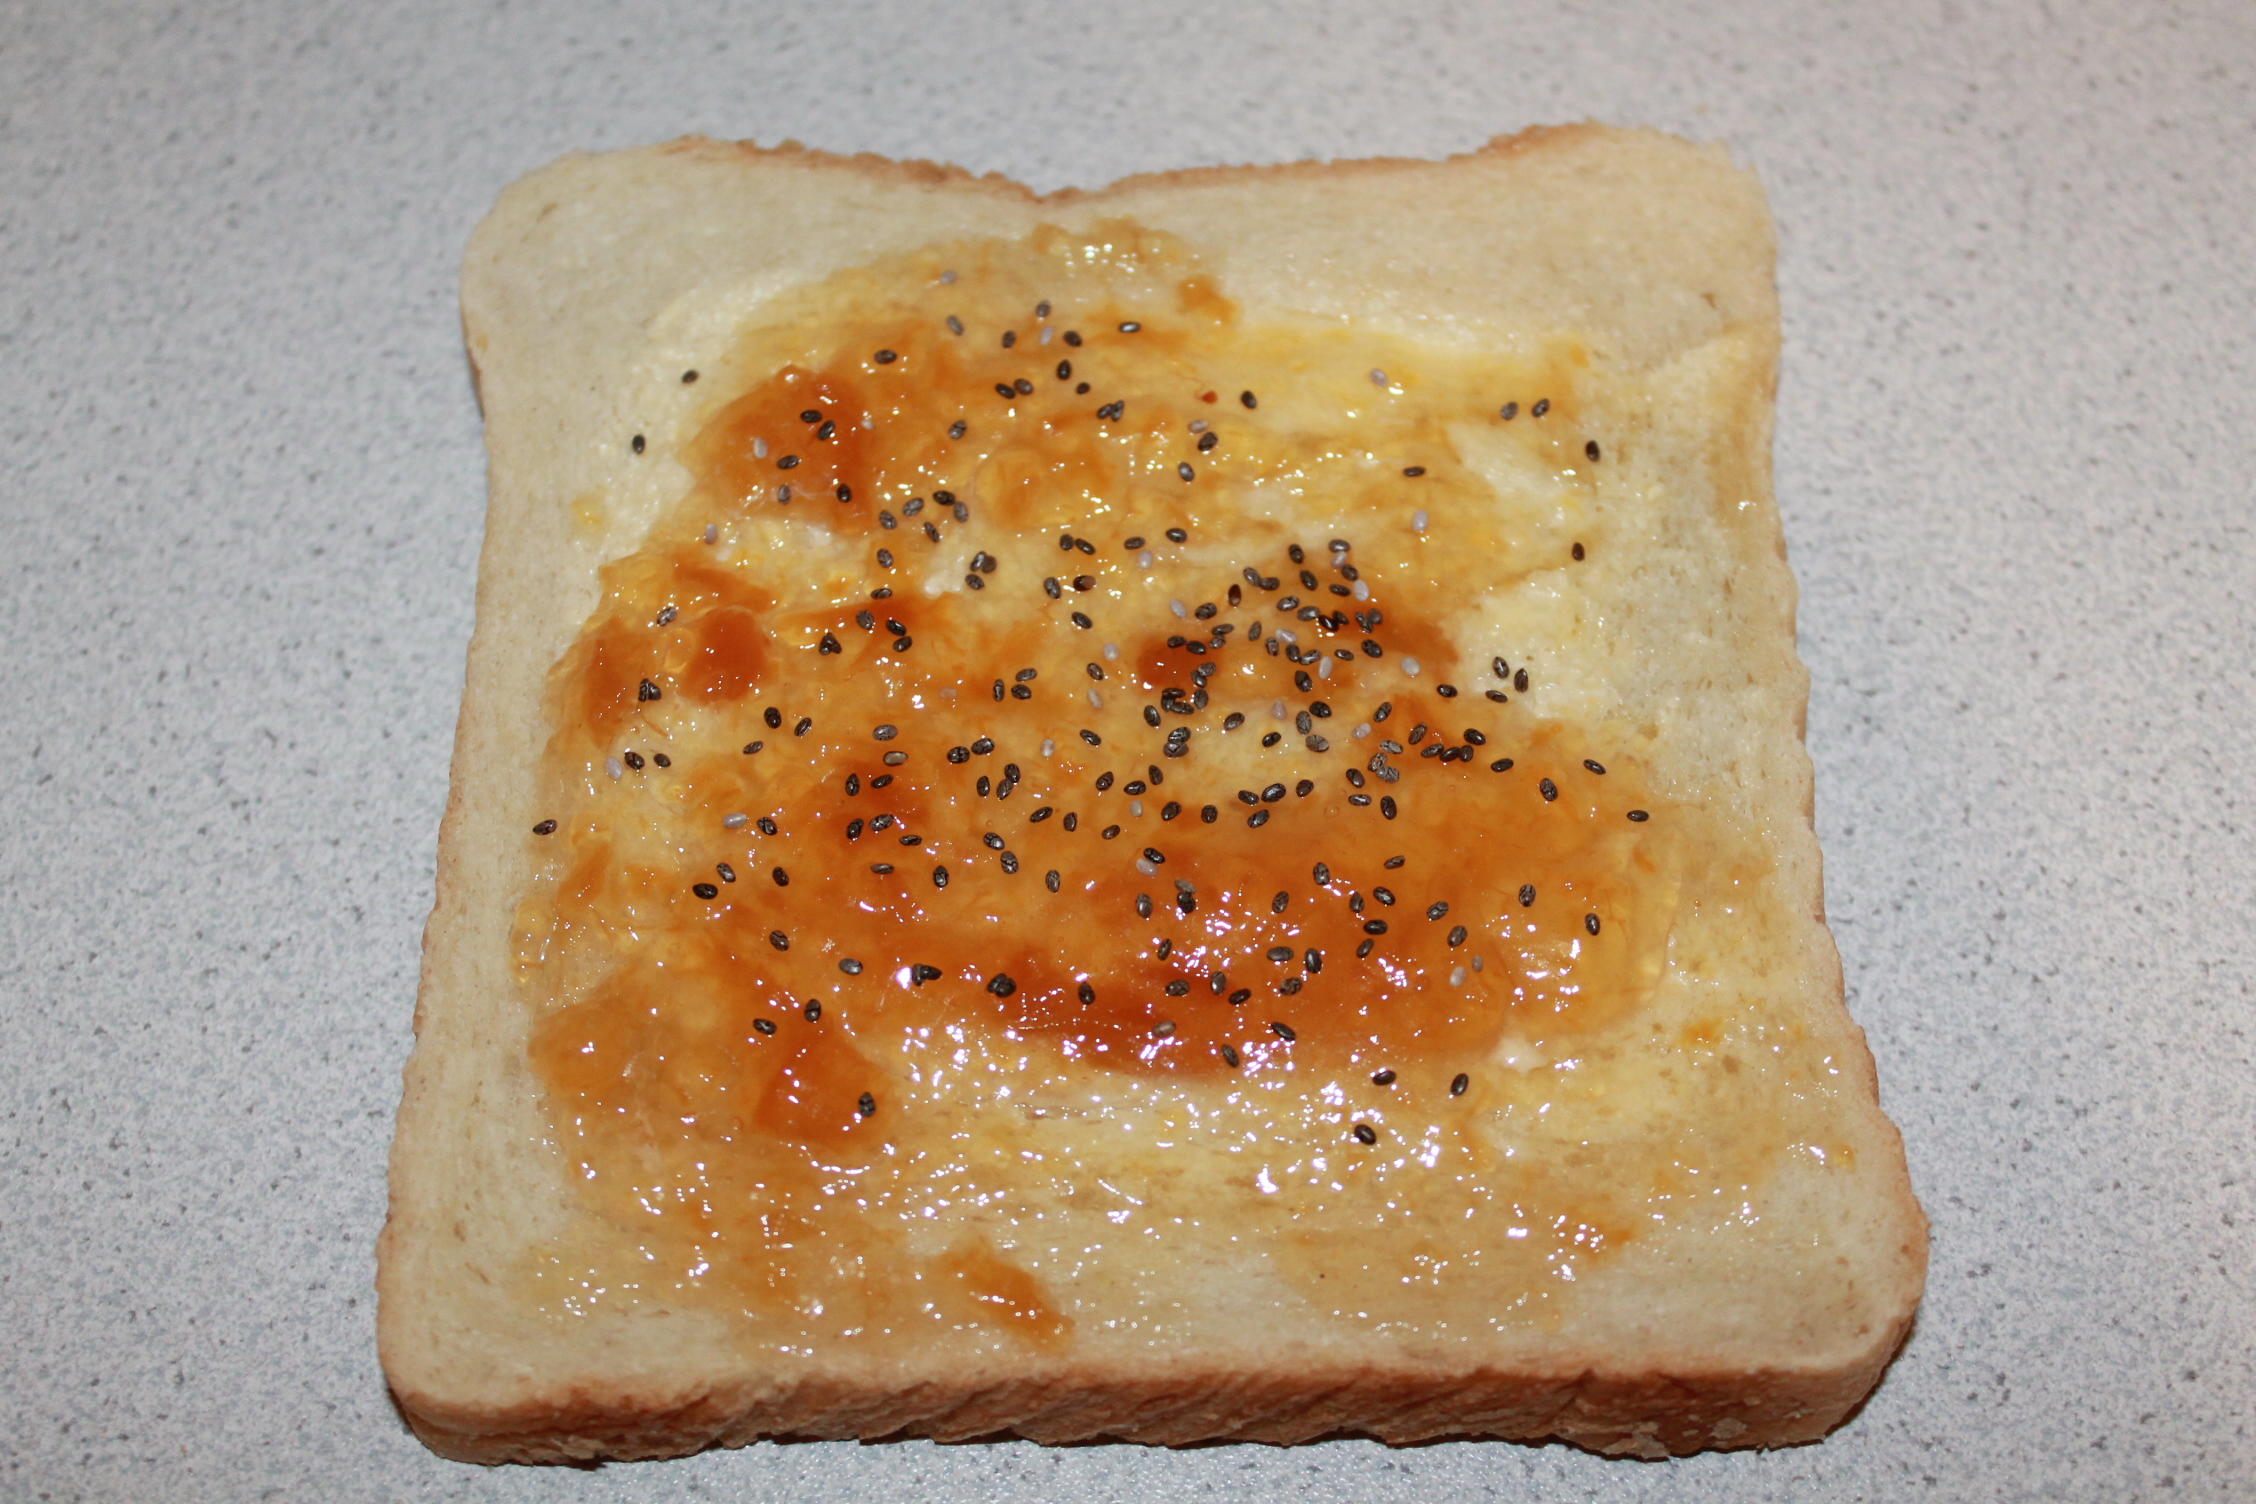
x,y
243,488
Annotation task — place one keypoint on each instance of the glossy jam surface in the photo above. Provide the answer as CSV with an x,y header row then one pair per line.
x,y
1051,750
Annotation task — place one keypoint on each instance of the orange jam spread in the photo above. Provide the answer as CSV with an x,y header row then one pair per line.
x,y
1046,792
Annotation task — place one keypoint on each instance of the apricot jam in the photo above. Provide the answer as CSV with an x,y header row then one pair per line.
x,y
1052,748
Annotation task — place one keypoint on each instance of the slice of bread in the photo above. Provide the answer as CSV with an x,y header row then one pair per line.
x,y
1165,814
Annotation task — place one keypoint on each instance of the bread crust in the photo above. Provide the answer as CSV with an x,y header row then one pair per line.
x,y
1618,1414
923,173
1658,1403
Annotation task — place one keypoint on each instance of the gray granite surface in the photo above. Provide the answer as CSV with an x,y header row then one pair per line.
x,y
242,484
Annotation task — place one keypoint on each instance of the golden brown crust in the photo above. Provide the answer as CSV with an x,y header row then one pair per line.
x,y
908,171
1530,139
1617,1413
923,173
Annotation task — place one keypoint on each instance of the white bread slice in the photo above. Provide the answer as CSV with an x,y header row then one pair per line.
x,y
1726,1247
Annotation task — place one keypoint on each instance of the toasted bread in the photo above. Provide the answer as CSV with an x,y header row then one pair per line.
x,y
1168,814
